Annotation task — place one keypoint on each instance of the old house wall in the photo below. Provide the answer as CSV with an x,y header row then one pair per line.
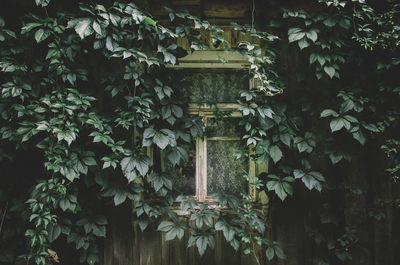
x,y
287,222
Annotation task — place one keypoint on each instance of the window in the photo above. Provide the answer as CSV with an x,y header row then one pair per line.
x,y
212,166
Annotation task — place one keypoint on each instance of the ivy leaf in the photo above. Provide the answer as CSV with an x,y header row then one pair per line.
x,y
83,28
359,136
143,223
41,35
270,253
328,112
28,27
150,22
279,252
329,22
177,154
312,35
277,186
295,34
312,180
97,28
53,232
337,124
42,3
165,226
120,197
346,106
141,163
202,242
286,139
330,71
163,138
275,153
303,43
111,45
173,229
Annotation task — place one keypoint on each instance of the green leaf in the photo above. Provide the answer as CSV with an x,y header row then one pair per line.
x,y
275,153
350,118
312,35
278,188
141,163
270,253
161,140
285,138
329,22
359,136
120,197
28,27
328,112
303,43
143,223
329,70
150,22
296,35
83,28
346,106
89,161
337,124
97,28
165,226
54,231
111,45
41,35
279,252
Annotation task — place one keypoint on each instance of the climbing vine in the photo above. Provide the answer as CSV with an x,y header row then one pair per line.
x,y
86,94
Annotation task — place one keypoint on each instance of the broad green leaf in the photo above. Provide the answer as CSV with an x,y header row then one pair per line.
x,y
28,27
270,253
41,35
279,252
312,35
120,197
328,112
83,28
303,43
165,226
97,28
296,36
337,124
346,106
275,153
329,70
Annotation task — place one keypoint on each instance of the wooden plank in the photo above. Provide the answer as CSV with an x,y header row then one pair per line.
x,y
178,251
227,10
212,56
186,2
118,245
150,243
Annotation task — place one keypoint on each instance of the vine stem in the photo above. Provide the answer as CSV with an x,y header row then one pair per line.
x,y
3,216
252,15
45,10
255,254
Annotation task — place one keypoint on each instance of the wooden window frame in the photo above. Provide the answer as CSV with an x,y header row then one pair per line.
x,y
201,148
210,60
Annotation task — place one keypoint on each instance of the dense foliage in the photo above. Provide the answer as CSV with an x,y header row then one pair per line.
x,y
84,94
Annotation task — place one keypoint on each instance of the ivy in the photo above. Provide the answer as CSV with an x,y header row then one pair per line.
x,y
86,92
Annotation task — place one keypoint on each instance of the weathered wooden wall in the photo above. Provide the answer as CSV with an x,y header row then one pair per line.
x,y
378,240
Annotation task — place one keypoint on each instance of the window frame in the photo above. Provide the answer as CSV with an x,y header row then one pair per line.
x,y
201,148
199,60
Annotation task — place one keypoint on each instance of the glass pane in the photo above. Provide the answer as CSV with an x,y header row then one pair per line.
x,y
184,176
224,171
216,86
224,127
